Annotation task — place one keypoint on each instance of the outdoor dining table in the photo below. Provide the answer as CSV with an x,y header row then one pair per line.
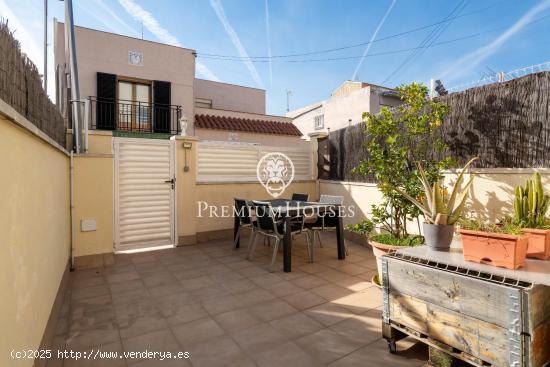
x,y
289,209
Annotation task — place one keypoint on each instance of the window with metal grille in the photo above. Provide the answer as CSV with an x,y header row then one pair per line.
x,y
319,121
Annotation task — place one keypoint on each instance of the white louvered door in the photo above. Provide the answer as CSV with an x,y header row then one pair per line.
x,y
144,195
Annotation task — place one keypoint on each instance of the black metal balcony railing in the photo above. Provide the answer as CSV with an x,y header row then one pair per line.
x,y
123,115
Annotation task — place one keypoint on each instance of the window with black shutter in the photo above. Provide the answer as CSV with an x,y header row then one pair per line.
x,y
106,98
161,106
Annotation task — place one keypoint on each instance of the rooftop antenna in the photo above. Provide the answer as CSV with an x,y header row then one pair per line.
x,y
142,29
288,94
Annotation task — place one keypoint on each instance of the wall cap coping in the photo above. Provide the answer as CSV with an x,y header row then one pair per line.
x,y
243,182
318,135
11,114
480,171
508,171
100,132
369,184
94,155
184,138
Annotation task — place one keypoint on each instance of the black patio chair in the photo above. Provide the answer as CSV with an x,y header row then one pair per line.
x,y
242,211
270,225
299,197
324,221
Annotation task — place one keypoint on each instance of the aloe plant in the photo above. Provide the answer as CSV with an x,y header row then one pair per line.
x,y
531,204
436,205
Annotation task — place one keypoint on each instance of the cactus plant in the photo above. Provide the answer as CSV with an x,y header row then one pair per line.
x,y
531,204
436,205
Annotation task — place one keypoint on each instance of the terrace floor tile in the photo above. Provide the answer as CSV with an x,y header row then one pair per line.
x,y
225,310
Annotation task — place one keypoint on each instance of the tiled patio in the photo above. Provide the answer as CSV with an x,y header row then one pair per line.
x,y
224,310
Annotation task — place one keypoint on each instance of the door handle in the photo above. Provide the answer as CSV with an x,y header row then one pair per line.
x,y
172,182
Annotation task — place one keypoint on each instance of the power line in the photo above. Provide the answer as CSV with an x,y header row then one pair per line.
x,y
473,35
211,55
430,38
383,53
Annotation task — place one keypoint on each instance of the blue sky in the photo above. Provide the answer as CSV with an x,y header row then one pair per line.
x,y
501,36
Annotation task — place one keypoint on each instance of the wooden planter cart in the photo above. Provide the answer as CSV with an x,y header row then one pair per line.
x,y
480,314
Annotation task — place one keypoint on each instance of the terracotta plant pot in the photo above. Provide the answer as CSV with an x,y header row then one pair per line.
x,y
379,250
538,243
497,249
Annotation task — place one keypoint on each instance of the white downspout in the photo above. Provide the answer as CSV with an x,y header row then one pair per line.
x,y
71,179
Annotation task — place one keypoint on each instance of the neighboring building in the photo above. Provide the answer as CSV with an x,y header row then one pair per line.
x,y
344,107
135,87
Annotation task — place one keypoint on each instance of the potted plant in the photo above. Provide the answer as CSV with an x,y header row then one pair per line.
x,y
501,245
530,208
394,141
441,211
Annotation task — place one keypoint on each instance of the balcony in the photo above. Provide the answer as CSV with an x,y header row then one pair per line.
x,y
132,116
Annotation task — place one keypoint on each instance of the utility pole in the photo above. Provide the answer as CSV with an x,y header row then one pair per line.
x,y
46,46
75,91
288,94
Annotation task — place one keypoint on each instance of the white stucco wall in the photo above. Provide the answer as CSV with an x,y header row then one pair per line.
x,y
262,139
231,97
490,197
339,109
105,52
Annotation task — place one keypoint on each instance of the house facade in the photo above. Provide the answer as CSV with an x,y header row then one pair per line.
x,y
152,177
344,107
136,87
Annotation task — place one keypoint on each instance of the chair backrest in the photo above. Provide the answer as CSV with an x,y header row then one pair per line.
x,y
331,199
265,215
242,211
329,219
300,197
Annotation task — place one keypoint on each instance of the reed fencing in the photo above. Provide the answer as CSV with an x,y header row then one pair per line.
x,y
506,124
21,88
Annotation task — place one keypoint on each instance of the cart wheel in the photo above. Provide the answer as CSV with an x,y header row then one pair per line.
x,y
392,347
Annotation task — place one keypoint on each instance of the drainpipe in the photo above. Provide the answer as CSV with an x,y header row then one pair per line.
x,y
71,179
46,46
75,91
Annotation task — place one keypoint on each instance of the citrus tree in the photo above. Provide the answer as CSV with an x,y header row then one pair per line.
x,y
395,141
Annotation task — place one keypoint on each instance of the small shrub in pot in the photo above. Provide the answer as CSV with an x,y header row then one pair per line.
x,y
441,210
501,245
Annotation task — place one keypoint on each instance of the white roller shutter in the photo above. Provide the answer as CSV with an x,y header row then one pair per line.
x,y
144,201
222,161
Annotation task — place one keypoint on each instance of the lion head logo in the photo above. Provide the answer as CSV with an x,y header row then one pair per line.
x,y
275,171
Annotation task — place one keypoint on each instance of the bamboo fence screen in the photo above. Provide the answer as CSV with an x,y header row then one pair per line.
x,y
506,124
21,88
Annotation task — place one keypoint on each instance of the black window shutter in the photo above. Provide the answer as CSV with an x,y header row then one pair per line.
x,y
161,106
106,101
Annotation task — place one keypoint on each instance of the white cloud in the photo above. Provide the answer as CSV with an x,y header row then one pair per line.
x,y
218,8
149,22
205,72
473,59
152,24
117,20
372,39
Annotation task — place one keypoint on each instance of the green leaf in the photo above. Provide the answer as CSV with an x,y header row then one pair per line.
x,y
454,192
